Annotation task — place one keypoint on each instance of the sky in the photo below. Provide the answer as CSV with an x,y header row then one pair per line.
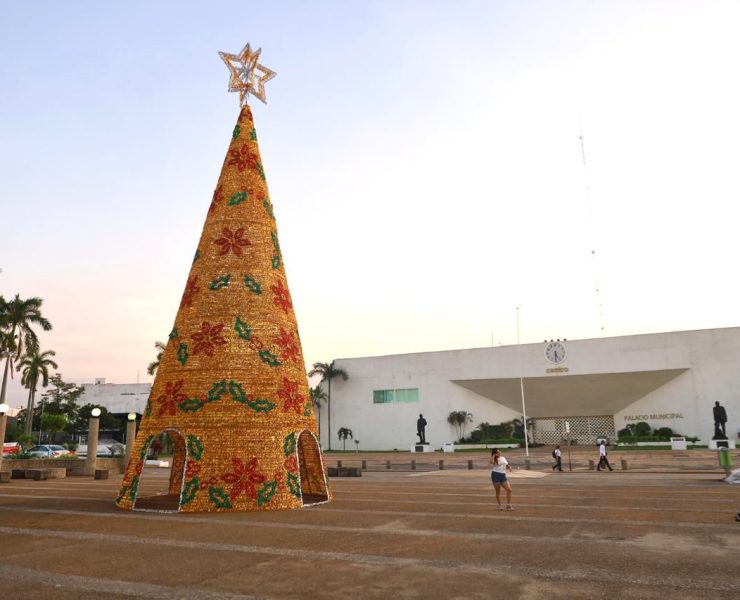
x,y
423,158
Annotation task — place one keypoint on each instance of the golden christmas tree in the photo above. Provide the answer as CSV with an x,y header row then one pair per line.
x,y
231,391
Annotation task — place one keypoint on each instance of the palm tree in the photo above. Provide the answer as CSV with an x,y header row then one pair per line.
x,y
16,319
343,434
328,372
460,418
153,366
317,397
35,365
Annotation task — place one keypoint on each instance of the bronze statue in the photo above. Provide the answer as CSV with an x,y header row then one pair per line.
x,y
421,424
720,418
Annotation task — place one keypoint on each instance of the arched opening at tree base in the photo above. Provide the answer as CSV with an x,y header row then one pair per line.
x,y
314,489
161,488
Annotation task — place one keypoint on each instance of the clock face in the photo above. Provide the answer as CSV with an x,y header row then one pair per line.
x,y
555,352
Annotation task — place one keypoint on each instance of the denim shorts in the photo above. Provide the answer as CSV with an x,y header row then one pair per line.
x,y
498,477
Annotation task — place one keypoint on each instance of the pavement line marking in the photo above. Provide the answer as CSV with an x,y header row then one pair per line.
x,y
61,581
380,530
582,573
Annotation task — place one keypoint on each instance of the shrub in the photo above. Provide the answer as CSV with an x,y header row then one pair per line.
x,y
642,428
664,431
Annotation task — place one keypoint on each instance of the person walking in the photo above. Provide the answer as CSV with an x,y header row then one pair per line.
x,y
603,460
558,456
498,477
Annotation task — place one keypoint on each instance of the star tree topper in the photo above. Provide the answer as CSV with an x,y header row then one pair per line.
x,y
247,75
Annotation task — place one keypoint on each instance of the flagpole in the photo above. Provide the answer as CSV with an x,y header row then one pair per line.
x,y
521,383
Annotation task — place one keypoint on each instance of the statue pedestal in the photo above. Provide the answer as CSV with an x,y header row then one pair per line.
x,y
422,447
714,444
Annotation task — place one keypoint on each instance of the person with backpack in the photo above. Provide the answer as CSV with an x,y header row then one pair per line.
x,y
557,455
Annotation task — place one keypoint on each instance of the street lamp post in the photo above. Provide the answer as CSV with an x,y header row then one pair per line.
x,y
92,441
567,430
130,434
4,408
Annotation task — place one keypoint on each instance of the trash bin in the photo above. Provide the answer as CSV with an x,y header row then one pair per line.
x,y
679,443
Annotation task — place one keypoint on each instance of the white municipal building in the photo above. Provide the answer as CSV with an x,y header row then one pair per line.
x,y
598,385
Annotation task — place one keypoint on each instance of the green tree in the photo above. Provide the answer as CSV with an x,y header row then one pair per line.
x,y
107,420
518,426
61,398
35,366
317,397
328,372
17,318
344,434
54,424
459,419
154,365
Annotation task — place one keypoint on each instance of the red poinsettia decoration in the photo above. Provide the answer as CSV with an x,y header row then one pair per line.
x,y
172,396
208,338
282,296
191,288
232,241
292,399
218,195
291,463
192,469
288,346
242,157
244,478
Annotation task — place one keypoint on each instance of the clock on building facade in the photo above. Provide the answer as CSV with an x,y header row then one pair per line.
x,y
555,352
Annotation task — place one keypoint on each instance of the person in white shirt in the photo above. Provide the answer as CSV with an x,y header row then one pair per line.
x,y
603,460
558,456
498,477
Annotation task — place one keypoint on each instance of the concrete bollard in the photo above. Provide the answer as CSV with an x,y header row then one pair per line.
x,y
591,465
624,465
364,464
4,476
387,464
339,464
413,465
441,465
527,464
470,465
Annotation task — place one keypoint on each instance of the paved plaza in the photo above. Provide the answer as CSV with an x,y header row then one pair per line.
x,y
396,534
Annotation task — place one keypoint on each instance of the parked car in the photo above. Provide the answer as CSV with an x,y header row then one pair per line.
x,y
10,448
48,451
103,451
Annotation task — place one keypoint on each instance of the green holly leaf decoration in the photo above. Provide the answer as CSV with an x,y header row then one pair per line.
x,y
294,485
122,494
134,487
253,134
266,492
269,358
237,199
217,390
195,448
307,410
237,392
220,282
261,171
289,444
191,405
145,447
259,405
197,255
235,133
252,284
189,491
242,329
182,353
276,260
218,497
173,333
268,208
148,409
